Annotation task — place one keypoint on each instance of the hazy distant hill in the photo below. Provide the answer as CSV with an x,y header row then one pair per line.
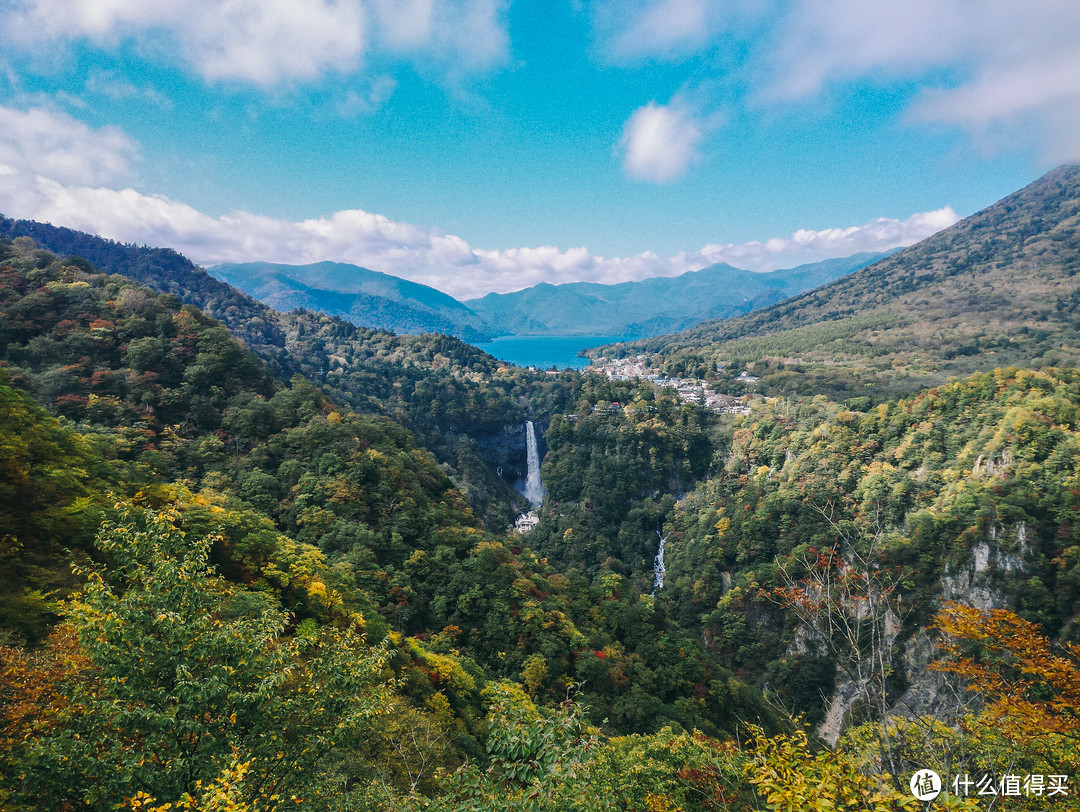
x,y
999,288
365,297
654,306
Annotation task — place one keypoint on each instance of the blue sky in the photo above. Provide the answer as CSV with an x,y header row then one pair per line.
x,y
482,145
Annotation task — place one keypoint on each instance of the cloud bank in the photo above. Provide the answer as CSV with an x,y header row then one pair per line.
x,y
57,170
58,146
1005,72
268,43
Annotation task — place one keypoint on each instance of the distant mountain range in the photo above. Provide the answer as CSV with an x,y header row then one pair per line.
x,y
999,288
654,306
635,309
367,298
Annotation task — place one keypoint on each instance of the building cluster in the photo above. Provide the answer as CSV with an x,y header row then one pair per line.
x,y
526,522
688,390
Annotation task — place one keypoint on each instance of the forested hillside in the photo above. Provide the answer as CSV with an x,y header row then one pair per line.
x,y
274,574
967,492
996,289
463,404
165,429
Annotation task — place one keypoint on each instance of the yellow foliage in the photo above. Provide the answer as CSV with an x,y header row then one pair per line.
x,y
790,778
535,673
1031,688
223,795
447,667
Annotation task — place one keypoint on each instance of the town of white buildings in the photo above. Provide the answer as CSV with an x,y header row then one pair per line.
x,y
688,390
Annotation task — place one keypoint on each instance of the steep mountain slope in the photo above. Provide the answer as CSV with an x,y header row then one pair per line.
x,y
998,288
460,402
163,394
364,297
965,492
654,306
167,271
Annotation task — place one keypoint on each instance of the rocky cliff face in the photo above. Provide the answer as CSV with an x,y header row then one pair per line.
x,y
505,452
980,582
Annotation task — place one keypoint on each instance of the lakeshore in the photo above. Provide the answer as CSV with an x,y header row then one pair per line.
x,y
546,352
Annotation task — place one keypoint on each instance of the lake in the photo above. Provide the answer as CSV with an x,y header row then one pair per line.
x,y
544,352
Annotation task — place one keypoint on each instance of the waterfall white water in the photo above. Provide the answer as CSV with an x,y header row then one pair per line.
x,y
534,491
658,565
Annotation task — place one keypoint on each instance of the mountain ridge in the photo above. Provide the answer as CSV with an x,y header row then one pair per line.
x,y
655,305
365,297
998,288
378,301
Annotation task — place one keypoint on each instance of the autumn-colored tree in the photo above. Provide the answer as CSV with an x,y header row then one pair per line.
x,y
790,777
162,677
1030,686
1026,694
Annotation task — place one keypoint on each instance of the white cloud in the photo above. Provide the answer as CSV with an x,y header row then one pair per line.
x,y
263,42
1004,71
631,31
653,28
1007,72
272,42
425,255
50,143
1030,104
109,84
806,245
266,43
366,97
818,43
659,141
457,34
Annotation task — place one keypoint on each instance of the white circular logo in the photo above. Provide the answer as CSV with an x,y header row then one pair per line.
x,y
925,785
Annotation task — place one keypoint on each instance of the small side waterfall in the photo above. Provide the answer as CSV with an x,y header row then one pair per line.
x,y
534,491
658,565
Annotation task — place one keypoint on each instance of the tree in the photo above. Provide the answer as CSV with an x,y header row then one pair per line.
x,y
47,474
1029,720
1031,690
848,603
183,678
790,777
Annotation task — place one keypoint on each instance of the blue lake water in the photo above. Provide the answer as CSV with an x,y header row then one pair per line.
x,y
544,352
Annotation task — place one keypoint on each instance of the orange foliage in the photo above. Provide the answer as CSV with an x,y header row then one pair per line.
x,y
29,684
31,696
1026,682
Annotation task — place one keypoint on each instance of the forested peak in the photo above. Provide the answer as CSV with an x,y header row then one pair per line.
x,y
1000,287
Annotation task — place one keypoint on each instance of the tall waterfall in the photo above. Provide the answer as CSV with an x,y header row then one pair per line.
x,y
534,491
658,565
